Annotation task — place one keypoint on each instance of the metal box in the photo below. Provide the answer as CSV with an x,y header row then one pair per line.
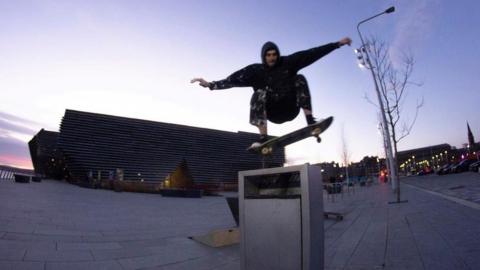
x,y
281,218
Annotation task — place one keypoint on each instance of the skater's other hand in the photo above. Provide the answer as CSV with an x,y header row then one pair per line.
x,y
345,41
201,82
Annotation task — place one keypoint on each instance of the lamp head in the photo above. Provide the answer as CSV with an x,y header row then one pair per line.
x,y
390,9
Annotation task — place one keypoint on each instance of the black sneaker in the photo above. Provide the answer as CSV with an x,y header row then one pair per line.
x,y
311,120
260,141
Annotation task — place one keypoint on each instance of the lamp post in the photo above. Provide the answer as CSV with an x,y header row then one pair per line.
x,y
386,132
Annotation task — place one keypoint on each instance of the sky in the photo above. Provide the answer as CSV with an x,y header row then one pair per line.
x,y
136,58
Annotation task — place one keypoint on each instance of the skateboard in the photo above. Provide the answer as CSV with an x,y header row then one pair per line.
x,y
313,130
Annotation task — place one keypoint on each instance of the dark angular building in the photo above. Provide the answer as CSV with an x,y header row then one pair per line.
x,y
151,151
46,157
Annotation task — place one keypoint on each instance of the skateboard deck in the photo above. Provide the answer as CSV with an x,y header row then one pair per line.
x,y
314,130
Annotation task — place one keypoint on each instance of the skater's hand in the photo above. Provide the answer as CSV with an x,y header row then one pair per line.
x,y
201,82
345,41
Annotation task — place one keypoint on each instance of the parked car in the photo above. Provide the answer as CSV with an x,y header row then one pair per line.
x,y
474,166
462,166
445,169
425,171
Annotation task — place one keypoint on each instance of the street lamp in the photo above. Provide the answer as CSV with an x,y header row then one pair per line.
x,y
386,132
368,64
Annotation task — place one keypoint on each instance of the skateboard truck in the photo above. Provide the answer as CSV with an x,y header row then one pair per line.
x,y
316,133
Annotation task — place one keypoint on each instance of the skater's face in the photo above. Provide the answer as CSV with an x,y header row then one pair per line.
x,y
271,58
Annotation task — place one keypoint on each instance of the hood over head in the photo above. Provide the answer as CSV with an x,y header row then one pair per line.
x,y
267,47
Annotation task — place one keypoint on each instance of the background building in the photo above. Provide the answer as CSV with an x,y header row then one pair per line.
x,y
46,157
410,161
96,145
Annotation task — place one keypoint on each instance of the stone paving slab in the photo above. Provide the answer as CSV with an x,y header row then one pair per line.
x,y
19,227
41,237
88,246
428,232
55,231
12,253
35,254
156,260
4,244
203,263
54,225
19,265
104,265
463,185
122,253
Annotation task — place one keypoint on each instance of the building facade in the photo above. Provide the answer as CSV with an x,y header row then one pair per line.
x,y
95,144
46,157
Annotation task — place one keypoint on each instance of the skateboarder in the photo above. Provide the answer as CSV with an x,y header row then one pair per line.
x,y
279,91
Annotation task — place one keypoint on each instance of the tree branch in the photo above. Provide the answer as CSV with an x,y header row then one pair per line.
x,y
370,101
407,129
393,84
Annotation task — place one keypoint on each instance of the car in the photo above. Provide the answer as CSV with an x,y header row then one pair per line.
x,y
425,171
445,169
462,166
421,173
474,166
451,169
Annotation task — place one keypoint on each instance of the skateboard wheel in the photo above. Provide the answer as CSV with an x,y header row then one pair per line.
x,y
319,139
266,150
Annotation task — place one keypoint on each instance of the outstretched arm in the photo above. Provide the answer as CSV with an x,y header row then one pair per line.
x,y
201,81
302,59
240,78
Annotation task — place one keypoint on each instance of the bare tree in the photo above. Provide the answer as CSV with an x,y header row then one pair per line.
x,y
393,82
345,154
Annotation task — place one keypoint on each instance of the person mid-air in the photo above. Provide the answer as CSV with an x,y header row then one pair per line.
x,y
279,91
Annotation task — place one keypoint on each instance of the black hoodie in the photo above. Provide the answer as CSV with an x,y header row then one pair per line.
x,y
268,46
280,77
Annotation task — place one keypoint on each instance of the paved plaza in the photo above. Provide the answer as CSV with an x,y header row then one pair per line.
x,y
55,225
465,186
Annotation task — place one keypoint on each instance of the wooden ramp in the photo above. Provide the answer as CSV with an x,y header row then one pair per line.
x,y
219,238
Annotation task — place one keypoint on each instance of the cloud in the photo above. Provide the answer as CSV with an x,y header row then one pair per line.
x,y
415,26
9,145
15,127
14,152
13,118
14,135
6,125
16,161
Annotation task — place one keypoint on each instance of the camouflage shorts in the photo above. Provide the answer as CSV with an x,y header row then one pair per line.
x,y
258,102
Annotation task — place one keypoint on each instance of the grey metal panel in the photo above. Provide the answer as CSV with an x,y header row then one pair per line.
x,y
275,221
279,247
313,216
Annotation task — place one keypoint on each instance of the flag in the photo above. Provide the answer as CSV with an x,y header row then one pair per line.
x,y
471,140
